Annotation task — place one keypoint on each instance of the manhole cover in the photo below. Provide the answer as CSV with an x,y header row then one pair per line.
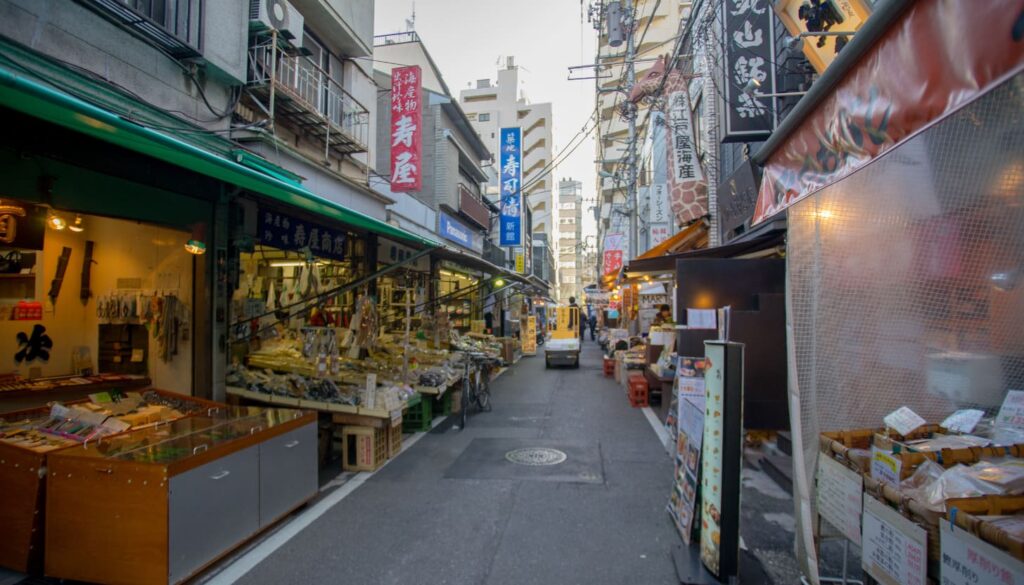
x,y
535,456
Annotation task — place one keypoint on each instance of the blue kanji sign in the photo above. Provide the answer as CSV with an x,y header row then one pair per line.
x,y
284,232
510,159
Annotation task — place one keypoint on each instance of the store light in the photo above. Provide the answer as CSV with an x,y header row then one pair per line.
x,y
77,225
292,263
56,222
499,282
197,243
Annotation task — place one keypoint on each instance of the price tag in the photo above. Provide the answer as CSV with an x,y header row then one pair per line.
x,y
885,466
839,497
895,549
967,560
1011,413
904,421
963,421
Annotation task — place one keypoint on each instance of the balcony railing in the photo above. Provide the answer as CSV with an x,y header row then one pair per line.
x,y
299,91
396,38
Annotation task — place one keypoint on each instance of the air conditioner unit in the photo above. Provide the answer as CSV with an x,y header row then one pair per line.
x,y
277,15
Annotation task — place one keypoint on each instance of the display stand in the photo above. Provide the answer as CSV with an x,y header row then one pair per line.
x,y
689,569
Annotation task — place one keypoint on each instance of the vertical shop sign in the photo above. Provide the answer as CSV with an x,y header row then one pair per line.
x,y
520,261
688,194
510,163
613,253
749,55
406,129
285,232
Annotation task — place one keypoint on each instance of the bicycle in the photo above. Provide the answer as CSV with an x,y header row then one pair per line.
x,y
476,384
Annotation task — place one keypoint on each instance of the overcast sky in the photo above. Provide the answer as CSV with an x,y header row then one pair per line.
x,y
469,38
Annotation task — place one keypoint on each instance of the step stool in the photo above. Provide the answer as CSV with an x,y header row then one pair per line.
x,y
638,393
609,367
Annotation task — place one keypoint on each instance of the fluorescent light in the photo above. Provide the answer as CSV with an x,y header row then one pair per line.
x,y
291,263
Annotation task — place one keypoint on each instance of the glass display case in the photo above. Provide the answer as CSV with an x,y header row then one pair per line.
x,y
159,504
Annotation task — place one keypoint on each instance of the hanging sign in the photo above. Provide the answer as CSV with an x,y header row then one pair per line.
x,y
688,194
510,162
520,261
613,253
285,232
406,129
749,54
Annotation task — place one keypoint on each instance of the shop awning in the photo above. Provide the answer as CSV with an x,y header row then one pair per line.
x,y
31,94
476,263
667,264
692,236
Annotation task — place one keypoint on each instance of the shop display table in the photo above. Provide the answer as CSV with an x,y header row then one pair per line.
x,y
160,504
25,394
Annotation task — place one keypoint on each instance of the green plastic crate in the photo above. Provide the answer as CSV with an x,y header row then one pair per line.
x,y
442,404
418,417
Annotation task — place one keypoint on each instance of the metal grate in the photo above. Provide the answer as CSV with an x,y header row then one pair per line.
x,y
172,25
915,256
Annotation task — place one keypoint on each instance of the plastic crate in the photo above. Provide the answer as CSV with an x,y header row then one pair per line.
x,y
419,417
363,448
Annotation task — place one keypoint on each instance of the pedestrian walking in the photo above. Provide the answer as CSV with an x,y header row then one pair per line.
x,y
593,326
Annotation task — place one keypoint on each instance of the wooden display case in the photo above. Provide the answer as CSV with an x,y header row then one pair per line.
x,y
160,504
22,483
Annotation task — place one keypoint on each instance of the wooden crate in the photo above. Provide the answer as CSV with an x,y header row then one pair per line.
x,y
363,448
394,440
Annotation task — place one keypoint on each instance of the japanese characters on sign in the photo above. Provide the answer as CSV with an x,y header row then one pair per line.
x,y
613,252
894,549
749,55
685,165
406,129
967,560
658,212
288,233
509,163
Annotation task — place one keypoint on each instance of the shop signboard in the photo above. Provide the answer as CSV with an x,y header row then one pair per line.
x,y
749,56
613,253
659,233
454,230
881,101
530,337
737,197
22,225
510,224
722,458
406,129
895,550
520,261
968,560
687,190
835,16
286,232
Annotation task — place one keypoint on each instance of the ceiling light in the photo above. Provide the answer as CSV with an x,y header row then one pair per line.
x,y
77,225
56,222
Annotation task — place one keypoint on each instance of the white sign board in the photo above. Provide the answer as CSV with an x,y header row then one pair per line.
x,y
895,550
904,421
967,560
963,421
839,497
1011,413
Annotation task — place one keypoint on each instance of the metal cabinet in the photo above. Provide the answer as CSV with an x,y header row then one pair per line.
x,y
211,509
287,472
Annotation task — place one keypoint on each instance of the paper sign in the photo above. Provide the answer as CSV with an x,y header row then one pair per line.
x,y
1011,413
701,319
396,417
963,421
371,391
839,497
904,421
895,549
967,560
885,466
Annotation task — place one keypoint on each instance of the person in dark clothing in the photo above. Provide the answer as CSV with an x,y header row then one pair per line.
x,y
593,327
579,315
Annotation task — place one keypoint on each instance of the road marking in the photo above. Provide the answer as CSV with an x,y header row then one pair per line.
x,y
248,561
659,428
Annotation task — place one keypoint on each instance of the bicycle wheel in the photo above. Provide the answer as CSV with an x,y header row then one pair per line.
x,y
483,392
464,401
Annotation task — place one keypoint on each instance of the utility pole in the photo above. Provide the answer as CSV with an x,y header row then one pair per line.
x,y
632,205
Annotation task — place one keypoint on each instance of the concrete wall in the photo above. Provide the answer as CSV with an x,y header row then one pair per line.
x,y
72,33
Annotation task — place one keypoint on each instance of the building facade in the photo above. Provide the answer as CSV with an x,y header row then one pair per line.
x,y
570,238
491,106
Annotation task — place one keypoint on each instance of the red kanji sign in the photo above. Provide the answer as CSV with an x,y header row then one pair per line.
x,y
406,129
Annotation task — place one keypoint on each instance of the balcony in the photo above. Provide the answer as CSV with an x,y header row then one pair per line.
x,y
295,89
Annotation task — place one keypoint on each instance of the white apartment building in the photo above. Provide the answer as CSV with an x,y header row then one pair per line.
x,y
492,106
657,25
570,239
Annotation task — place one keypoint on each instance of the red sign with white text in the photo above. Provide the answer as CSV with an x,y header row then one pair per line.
x,y
612,262
406,129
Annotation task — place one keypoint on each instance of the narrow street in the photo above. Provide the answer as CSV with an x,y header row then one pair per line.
x,y
451,509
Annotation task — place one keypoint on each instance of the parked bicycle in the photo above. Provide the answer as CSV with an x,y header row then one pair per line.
x,y
476,383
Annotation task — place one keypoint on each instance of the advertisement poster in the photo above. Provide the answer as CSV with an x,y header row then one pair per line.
x,y
683,503
406,129
510,163
530,336
711,471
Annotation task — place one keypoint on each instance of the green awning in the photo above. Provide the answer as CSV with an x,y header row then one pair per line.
x,y
19,91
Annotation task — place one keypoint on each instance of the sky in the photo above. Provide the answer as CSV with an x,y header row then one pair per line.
x,y
470,39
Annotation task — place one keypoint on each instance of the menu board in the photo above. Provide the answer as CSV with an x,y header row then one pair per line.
x,y
839,497
895,550
722,455
688,450
530,336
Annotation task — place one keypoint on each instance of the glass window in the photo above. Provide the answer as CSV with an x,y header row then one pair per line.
x,y
485,117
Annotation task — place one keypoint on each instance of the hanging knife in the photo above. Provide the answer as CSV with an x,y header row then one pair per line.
x,y
58,278
86,271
